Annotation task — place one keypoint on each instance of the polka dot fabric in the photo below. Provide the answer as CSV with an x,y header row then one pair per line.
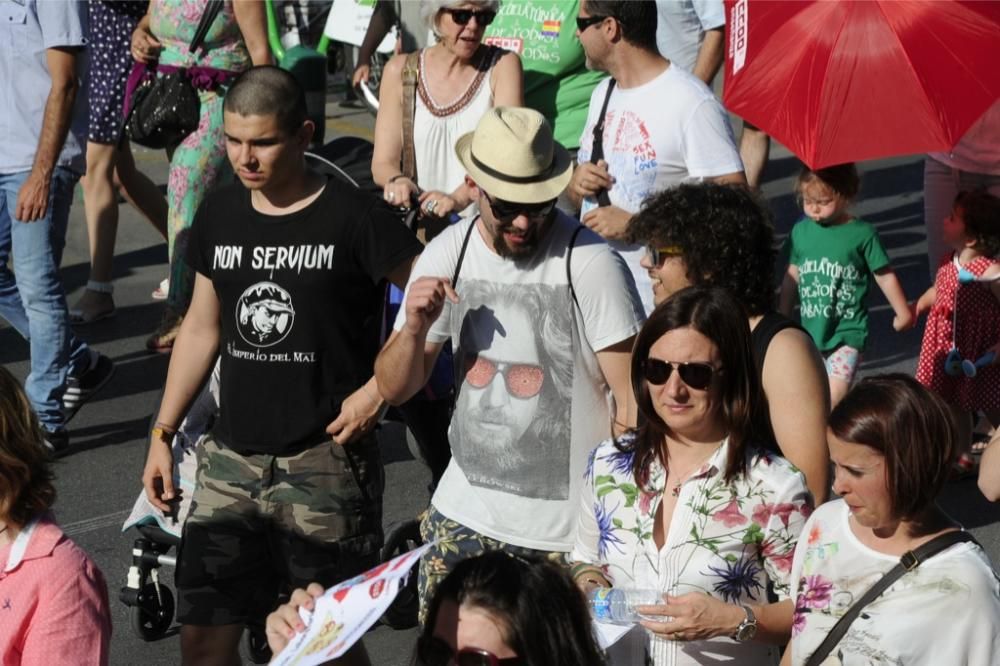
x,y
111,27
978,330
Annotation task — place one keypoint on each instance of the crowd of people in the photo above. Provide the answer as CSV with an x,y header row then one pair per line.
x,y
635,403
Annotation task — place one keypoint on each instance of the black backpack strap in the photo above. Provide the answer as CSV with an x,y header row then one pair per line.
x,y
461,255
569,257
597,149
910,560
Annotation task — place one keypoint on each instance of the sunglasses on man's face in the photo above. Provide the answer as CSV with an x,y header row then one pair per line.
x,y
507,211
462,16
432,651
696,375
656,255
584,22
523,380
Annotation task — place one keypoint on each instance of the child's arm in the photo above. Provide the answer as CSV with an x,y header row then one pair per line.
x,y
889,284
925,302
989,469
789,290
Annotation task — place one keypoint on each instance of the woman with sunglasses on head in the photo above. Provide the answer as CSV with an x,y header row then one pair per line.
x,y
686,504
491,610
457,80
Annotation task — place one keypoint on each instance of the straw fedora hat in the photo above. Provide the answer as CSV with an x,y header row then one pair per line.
x,y
513,156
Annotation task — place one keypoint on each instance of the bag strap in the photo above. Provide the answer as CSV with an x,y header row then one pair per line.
x,y
411,70
597,149
569,258
212,9
910,560
461,255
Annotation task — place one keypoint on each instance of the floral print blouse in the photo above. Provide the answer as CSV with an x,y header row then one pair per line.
x,y
727,540
946,611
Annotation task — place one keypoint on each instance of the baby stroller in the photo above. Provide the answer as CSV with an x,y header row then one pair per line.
x,y
150,599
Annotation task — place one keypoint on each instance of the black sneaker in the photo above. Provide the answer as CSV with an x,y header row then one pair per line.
x,y
81,388
56,441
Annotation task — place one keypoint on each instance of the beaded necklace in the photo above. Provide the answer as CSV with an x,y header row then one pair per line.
x,y
464,99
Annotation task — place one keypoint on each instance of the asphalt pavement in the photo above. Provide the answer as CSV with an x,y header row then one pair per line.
x,y
99,480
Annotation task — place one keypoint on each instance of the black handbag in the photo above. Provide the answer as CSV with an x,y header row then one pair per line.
x,y
165,109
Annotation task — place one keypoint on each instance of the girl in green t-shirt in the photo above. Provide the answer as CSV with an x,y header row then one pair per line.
x,y
832,257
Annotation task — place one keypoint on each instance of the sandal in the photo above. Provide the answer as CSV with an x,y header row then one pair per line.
x,y
162,291
162,339
95,291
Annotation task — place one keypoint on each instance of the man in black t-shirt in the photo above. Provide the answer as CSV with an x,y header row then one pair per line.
x,y
287,294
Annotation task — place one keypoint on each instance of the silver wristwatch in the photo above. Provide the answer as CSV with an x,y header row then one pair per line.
x,y
748,627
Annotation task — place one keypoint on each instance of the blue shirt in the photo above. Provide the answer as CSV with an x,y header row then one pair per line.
x,y
27,29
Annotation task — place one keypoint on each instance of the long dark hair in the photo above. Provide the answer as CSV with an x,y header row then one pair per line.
x,y
542,614
26,488
714,313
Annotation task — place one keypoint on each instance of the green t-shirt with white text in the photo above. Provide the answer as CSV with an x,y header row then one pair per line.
x,y
557,82
835,264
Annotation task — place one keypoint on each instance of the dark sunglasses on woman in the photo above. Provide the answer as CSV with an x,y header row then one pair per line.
x,y
696,375
506,211
432,651
462,16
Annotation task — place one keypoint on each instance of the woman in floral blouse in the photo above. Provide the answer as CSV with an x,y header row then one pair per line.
x,y
686,504
892,443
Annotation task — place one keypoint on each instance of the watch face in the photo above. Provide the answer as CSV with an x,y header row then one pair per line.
x,y
746,632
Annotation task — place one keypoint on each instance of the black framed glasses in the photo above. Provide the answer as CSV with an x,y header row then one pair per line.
x,y
656,254
584,22
462,16
433,651
506,211
696,375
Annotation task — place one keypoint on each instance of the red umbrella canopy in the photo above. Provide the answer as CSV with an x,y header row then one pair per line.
x,y
854,80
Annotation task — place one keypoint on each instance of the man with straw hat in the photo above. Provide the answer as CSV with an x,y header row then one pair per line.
x,y
541,314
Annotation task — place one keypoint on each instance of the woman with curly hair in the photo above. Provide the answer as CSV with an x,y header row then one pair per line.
x,y
55,600
722,235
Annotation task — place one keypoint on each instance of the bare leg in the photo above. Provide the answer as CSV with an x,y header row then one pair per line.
x,y
140,191
755,146
838,389
211,646
101,211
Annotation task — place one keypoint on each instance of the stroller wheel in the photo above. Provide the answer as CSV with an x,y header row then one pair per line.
x,y
402,613
256,645
152,616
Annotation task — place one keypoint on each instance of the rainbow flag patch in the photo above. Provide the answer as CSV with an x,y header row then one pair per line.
x,y
551,28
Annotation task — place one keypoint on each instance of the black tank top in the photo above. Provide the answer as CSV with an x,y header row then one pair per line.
x,y
769,326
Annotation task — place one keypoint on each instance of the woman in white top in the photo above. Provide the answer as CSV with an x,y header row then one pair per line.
x,y
459,78
686,505
892,443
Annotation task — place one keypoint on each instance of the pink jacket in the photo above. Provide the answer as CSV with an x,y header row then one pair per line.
x,y
53,601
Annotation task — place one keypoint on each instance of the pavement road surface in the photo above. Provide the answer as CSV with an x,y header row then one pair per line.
x,y
100,478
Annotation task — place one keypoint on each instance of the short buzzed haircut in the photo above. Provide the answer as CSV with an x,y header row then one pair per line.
x,y
268,91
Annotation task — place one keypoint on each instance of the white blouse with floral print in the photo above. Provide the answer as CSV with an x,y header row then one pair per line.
x,y
725,539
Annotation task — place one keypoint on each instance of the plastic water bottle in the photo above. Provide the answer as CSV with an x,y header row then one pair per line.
x,y
616,605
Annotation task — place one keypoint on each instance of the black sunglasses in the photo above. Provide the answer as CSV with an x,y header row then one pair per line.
x,y
696,375
584,22
462,16
506,211
432,651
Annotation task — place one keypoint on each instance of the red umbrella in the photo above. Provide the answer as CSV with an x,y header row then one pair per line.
x,y
848,81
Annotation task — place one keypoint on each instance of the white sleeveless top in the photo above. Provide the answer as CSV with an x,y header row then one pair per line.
x,y
437,126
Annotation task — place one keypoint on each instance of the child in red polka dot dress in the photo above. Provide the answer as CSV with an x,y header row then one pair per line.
x,y
963,327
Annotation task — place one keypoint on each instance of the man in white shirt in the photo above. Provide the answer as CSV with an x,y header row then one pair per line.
x,y
663,126
541,314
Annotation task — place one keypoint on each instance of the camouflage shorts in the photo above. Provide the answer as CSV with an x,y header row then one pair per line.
x,y
458,543
259,523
